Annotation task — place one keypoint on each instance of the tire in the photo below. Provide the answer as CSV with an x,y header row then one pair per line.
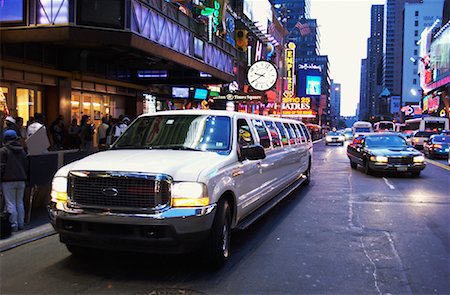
x,y
218,243
415,174
326,143
367,169
353,164
79,251
308,175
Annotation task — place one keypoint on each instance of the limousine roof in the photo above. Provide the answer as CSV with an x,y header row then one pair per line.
x,y
216,113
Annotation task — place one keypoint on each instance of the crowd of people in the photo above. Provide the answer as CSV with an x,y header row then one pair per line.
x,y
13,152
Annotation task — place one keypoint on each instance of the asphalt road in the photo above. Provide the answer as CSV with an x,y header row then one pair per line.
x,y
346,233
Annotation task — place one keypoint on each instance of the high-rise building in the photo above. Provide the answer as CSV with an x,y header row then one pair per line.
x,y
291,11
335,103
417,17
393,45
369,97
362,105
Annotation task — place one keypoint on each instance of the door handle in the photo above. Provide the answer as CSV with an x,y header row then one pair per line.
x,y
267,165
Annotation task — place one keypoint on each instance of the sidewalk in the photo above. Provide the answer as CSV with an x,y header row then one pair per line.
x,y
38,228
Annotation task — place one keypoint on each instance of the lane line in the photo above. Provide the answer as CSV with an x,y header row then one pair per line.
x,y
388,183
436,163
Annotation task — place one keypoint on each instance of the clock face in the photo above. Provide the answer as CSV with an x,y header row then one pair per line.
x,y
262,75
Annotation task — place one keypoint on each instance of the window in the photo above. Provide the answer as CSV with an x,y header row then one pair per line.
x,y
264,138
415,52
299,133
416,33
284,136
276,142
416,13
291,134
305,132
245,137
414,81
416,23
28,102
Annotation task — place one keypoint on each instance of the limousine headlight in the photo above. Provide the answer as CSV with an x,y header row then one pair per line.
x,y
379,159
59,190
189,194
419,159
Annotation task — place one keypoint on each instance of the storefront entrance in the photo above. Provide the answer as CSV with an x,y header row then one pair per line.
x,y
21,101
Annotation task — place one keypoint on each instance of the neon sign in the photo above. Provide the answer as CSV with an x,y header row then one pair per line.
x,y
290,61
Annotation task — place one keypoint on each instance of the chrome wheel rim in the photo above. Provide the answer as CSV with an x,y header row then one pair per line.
x,y
225,242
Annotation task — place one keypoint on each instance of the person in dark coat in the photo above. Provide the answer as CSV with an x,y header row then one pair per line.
x,y
13,174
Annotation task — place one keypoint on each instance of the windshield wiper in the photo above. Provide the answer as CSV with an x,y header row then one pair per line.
x,y
173,147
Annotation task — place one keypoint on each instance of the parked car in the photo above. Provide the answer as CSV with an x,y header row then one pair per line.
x,y
418,138
385,152
177,181
437,146
334,137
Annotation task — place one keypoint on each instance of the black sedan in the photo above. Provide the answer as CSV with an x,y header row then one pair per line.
x,y
385,152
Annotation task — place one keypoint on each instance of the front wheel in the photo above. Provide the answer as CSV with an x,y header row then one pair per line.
x,y
353,164
415,174
308,175
367,169
218,244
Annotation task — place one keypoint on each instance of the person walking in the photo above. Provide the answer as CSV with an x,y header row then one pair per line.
x,y
74,134
37,124
13,174
87,130
102,133
57,131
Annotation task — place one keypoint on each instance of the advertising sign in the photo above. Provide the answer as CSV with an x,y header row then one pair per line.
x,y
433,104
290,64
425,102
309,80
296,105
395,104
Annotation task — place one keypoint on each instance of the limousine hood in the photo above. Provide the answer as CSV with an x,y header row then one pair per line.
x,y
395,151
181,165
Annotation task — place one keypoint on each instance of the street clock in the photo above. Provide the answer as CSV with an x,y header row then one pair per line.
x,y
262,75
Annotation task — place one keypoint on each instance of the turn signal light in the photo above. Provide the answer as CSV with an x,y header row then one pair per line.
x,y
436,146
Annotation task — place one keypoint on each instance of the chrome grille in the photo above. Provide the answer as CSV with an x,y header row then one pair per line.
x,y
403,160
115,190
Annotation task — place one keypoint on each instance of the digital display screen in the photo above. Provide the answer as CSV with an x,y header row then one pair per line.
x,y
200,93
313,85
180,92
11,11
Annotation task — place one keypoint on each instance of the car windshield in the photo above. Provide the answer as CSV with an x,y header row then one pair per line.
x,y
362,129
385,141
441,139
333,134
178,132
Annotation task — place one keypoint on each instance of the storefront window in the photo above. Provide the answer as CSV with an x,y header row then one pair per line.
x,y
25,103
75,104
4,100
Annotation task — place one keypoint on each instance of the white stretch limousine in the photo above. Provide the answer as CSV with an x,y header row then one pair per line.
x,y
177,181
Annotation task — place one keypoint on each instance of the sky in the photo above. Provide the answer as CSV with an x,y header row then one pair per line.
x,y
344,26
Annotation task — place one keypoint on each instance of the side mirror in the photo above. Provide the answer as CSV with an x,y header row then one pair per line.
x,y
253,152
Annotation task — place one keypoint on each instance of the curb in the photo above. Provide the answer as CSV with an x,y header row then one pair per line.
x,y
26,236
318,140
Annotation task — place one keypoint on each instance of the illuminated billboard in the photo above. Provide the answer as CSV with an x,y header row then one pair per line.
x,y
309,80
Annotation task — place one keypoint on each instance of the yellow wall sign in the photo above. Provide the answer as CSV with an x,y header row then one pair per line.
x,y
290,61
296,105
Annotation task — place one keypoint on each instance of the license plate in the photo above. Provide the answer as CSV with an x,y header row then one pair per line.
x,y
402,169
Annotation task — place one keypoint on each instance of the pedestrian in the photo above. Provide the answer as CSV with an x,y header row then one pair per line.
x,y
10,123
102,133
37,124
74,134
87,130
121,127
13,174
57,131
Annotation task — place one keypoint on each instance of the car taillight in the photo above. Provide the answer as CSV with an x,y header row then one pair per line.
x,y
436,146
415,139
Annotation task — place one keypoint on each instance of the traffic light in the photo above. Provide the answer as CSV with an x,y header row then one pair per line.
x,y
241,40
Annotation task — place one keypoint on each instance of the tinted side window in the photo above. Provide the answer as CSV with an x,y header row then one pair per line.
x,y
297,138
276,142
284,137
299,133
244,134
306,132
264,138
292,136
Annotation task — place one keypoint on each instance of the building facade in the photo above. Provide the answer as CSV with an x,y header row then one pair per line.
x,y
362,112
335,103
417,17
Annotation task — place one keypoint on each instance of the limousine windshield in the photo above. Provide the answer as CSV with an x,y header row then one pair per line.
x,y
178,132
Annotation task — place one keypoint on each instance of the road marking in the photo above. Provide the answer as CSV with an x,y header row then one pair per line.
x,y
388,184
436,163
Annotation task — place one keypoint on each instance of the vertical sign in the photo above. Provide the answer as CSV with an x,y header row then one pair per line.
x,y
290,66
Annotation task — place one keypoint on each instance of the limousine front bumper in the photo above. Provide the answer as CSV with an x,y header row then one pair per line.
x,y
174,230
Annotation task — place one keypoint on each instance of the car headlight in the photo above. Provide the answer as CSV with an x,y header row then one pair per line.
x,y
379,159
189,194
328,138
59,189
419,159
